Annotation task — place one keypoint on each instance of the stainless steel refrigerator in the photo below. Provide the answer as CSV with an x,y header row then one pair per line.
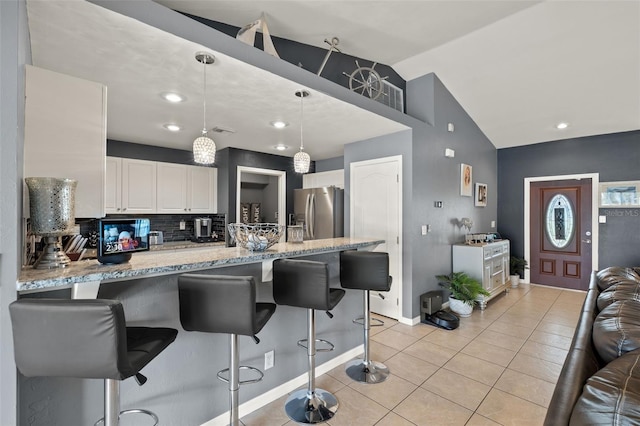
x,y
320,211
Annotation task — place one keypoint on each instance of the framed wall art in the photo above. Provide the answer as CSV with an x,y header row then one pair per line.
x,y
620,194
481,195
466,189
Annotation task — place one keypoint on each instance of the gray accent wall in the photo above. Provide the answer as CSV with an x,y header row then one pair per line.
x,y
429,176
14,54
616,157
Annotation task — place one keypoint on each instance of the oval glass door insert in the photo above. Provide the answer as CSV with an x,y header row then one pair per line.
x,y
560,221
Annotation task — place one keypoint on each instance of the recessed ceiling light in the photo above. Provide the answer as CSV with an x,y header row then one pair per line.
x,y
281,147
172,127
279,124
172,97
562,125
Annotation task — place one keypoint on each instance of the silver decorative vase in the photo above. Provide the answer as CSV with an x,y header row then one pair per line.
x,y
52,203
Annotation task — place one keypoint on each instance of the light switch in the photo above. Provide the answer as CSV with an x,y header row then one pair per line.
x,y
602,219
424,229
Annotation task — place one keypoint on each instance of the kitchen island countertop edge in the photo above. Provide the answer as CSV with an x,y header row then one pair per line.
x,y
176,261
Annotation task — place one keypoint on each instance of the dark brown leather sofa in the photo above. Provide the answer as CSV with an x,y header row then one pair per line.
x,y
600,380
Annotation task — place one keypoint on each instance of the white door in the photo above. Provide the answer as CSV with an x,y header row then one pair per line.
x,y
376,212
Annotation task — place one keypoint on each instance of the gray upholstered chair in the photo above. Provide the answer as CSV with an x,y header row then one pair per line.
x,y
305,284
224,304
85,338
368,271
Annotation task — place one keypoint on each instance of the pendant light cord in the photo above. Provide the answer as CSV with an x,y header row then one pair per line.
x,y
204,100
301,119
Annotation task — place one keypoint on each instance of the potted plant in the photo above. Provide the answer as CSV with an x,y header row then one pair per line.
x,y
517,265
464,292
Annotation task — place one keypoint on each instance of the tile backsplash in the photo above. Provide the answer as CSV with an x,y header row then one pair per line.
x,y
167,223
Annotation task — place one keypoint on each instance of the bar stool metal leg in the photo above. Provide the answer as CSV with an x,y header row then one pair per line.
x,y
312,405
112,411
111,402
234,380
365,370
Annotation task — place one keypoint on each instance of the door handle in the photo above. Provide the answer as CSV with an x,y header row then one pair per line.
x,y
586,241
313,215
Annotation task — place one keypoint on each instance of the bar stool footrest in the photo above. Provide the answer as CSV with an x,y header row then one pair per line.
x,y
326,342
221,374
133,411
360,320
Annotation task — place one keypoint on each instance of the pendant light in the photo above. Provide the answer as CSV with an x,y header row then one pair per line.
x,y
204,148
302,160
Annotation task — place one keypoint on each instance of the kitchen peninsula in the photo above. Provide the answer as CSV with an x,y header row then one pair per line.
x,y
182,387
176,261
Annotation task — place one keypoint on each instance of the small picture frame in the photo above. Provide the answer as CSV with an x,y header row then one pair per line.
x,y
620,194
466,177
481,195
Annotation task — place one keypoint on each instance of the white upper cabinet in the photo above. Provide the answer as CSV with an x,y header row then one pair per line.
x,y
320,179
145,187
201,189
138,186
113,186
65,135
172,188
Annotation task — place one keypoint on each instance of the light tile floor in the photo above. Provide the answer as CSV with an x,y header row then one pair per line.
x,y
498,368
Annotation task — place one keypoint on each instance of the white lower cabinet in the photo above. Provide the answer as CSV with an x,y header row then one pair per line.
x,y
488,263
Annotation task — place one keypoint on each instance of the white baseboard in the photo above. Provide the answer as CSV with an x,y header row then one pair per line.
x,y
409,321
293,384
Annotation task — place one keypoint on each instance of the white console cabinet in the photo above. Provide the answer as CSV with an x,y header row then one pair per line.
x,y
486,262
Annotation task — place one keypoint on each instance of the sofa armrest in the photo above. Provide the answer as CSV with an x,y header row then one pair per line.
x,y
581,363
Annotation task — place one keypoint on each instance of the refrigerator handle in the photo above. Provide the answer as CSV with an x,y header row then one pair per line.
x,y
312,215
307,213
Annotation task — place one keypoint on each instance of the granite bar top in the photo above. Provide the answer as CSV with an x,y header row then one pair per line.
x,y
178,245
166,262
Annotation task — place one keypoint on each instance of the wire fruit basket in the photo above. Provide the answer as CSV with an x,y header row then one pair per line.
x,y
256,236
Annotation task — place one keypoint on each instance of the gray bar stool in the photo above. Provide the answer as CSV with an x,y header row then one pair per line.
x,y
85,338
224,304
365,270
305,284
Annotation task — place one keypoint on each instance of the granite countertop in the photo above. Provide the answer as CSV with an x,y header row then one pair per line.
x,y
177,245
164,262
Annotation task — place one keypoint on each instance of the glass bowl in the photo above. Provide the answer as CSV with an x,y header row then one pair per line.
x,y
255,236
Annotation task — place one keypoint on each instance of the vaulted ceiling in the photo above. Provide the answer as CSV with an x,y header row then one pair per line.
x,y
517,67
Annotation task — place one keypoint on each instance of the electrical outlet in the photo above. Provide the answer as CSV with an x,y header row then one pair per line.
x,y
183,225
269,359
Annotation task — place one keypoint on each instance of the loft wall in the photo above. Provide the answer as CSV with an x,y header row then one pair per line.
x,y
310,58
614,156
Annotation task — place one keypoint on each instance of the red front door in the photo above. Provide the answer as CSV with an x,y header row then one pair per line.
x,y
561,233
